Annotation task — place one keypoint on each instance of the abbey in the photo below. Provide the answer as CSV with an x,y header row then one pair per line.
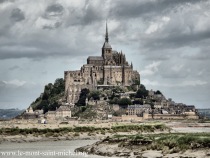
x,y
109,69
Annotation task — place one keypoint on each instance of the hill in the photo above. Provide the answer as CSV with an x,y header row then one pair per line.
x,y
51,98
6,114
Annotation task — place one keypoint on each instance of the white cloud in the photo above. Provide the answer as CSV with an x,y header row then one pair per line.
x,y
166,19
154,26
15,82
193,83
151,69
177,67
189,83
147,82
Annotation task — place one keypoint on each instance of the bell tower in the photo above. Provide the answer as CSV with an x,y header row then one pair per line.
x,y
106,49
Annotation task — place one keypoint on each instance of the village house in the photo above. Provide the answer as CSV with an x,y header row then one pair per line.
x,y
30,114
60,113
138,109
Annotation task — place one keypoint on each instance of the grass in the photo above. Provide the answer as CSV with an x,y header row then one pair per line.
x,y
66,130
167,143
140,128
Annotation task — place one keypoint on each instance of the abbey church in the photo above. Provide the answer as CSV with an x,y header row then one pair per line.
x,y
109,69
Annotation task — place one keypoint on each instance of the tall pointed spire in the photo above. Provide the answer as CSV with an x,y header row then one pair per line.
x,y
106,36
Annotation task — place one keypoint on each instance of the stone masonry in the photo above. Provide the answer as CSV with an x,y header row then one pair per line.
x,y
109,69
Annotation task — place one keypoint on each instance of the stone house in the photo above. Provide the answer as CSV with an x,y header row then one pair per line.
x,y
138,109
60,113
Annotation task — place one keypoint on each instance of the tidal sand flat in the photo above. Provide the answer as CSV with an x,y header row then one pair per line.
x,y
152,145
47,149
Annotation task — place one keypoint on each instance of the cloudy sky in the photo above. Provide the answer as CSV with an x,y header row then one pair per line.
x,y
168,42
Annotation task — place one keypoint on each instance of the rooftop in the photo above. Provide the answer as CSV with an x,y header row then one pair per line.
x,y
95,58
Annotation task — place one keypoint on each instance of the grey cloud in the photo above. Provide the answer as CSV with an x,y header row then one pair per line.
x,y
54,13
40,54
91,14
177,40
17,15
202,55
86,15
62,32
12,96
126,9
2,84
53,26
159,55
167,73
3,1
54,10
14,68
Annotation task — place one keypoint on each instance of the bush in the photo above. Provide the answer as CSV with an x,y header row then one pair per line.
x,y
103,132
124,101
142,92
48,134
76,134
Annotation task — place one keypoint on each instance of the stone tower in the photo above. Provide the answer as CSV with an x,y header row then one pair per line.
x,y
107,49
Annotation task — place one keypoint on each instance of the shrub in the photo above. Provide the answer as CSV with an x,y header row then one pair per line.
x,y
76,134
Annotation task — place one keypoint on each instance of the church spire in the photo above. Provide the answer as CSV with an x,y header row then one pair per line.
x,y
106,36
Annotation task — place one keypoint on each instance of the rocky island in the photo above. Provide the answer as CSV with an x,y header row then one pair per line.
x,y
106,101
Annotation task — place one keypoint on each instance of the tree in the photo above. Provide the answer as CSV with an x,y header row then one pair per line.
x,y
142,92
95,95
53,106
115,100
82,98
124,101
138,101
43,105
136,82
49,99
59,86
158,92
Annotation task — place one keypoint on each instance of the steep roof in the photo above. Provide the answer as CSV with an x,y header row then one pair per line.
x,y
95,58
63,108
106,45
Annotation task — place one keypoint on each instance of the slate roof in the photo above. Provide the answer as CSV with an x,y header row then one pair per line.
x,y
95,58
106,45
137,106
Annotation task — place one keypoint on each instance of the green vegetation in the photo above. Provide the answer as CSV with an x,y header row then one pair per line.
x,y
118,128
115,100
86,112
124,101
50,97
95,95
141,92
82,98
167,143
136,82
158,92
139,128
86,93
138,101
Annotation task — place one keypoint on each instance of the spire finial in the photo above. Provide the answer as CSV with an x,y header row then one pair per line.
x,y
106,36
